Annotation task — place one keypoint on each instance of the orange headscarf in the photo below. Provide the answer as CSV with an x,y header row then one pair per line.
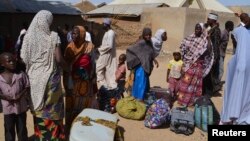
x,y
75,49
82,34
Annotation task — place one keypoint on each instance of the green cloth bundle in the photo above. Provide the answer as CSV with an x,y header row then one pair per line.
x,y
130,108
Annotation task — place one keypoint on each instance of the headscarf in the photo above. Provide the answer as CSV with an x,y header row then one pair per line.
x,y
75,49
38,54
212,16
107,21
22,32
192,48
157,41
19,40
202,26
146,31
83,61
141,53
82,36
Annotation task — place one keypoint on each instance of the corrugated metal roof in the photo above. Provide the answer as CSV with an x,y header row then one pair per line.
x,y
206,4
85,6
127,2
33,6
132,10
215,5
171,3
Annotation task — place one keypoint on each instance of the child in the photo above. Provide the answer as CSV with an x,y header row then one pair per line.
x,y
120,74
14,85
174,72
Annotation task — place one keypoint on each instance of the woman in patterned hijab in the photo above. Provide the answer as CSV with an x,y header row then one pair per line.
x,y
197,55
42,55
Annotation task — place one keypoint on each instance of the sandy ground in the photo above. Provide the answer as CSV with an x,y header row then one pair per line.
x,y
135,130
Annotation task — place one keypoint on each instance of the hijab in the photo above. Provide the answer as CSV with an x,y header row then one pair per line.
x,y
141,54
192,48
38,54
157,41
146,31
75,49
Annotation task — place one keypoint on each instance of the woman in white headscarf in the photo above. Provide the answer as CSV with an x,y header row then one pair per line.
x,y
157,41
42,55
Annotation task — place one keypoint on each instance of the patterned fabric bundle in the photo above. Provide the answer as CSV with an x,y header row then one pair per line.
x,y
157,114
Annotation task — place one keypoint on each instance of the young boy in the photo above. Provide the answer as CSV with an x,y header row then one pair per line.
x,y
174,72
14,86
120,74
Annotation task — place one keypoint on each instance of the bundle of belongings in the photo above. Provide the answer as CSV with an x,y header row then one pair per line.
x,y
158,102
130,108
93,125
108,99
157,114
205,113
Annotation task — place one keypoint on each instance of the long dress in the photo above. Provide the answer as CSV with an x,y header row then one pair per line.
x,y
141,83
84,85
48,122
236,100
140,59
37,53
198,60
190,86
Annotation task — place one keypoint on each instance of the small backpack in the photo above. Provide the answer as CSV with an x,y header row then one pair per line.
x,y
157,114
182,121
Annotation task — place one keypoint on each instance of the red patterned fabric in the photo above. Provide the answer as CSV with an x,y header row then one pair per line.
x,y
190,85
46,129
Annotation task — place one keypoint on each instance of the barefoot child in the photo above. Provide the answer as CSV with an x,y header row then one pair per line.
x,y
14,86
174,72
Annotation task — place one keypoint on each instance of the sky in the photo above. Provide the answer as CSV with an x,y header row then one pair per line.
x,y
225,2
234,2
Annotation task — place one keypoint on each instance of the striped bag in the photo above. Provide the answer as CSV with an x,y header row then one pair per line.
x,y
205,113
